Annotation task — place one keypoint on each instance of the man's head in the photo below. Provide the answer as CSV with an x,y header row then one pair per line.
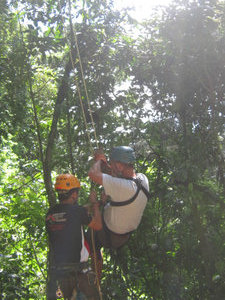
x,y
67,186
123,154
122,159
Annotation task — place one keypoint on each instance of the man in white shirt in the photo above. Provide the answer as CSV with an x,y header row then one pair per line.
x,y
128,192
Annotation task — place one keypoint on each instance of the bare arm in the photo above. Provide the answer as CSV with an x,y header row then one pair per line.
x,y
95,173
96,222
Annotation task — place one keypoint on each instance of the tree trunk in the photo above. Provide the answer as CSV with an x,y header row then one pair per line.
x,y
62,92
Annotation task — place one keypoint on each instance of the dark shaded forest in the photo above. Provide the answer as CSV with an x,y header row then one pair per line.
x,y
158,86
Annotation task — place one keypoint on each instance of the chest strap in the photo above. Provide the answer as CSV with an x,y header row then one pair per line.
x,y
140,187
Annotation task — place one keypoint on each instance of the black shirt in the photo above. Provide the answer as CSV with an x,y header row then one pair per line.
x,y
64,227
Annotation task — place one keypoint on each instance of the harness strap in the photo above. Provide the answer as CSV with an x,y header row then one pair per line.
x,y
139,188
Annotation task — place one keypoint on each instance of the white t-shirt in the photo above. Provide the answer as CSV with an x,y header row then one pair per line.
x,y
123,219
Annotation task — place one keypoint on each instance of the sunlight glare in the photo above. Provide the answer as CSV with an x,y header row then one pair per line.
x,y
141,8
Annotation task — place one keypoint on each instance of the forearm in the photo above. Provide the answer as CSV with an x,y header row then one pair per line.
x,y
95,173
96,222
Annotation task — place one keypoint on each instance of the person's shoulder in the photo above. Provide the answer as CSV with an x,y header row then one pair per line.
x,y
143,178
53,208
75,206
115,180
68,208
80,207
76,210
106,176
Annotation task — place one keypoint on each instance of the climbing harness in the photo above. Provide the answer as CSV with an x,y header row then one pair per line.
x,y
81,276
140,187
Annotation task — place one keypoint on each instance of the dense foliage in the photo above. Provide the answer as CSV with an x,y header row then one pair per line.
x,y
161,91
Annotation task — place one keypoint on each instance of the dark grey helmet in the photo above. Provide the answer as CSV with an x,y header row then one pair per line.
x,y
123,154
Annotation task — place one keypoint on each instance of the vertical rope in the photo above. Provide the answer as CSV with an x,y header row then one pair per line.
x,y
82,74
81,104
86,126
84,83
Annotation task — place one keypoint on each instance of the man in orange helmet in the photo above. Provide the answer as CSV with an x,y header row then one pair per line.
x,y
68,250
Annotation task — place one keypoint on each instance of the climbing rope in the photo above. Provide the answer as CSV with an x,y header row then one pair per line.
x,y
85,122
82,74
83,81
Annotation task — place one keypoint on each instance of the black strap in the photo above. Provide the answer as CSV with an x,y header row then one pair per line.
x,y
139,187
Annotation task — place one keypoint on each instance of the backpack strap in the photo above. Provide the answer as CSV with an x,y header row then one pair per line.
x,y
139,187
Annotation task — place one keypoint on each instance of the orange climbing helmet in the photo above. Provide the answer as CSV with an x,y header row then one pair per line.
x,y
66,182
